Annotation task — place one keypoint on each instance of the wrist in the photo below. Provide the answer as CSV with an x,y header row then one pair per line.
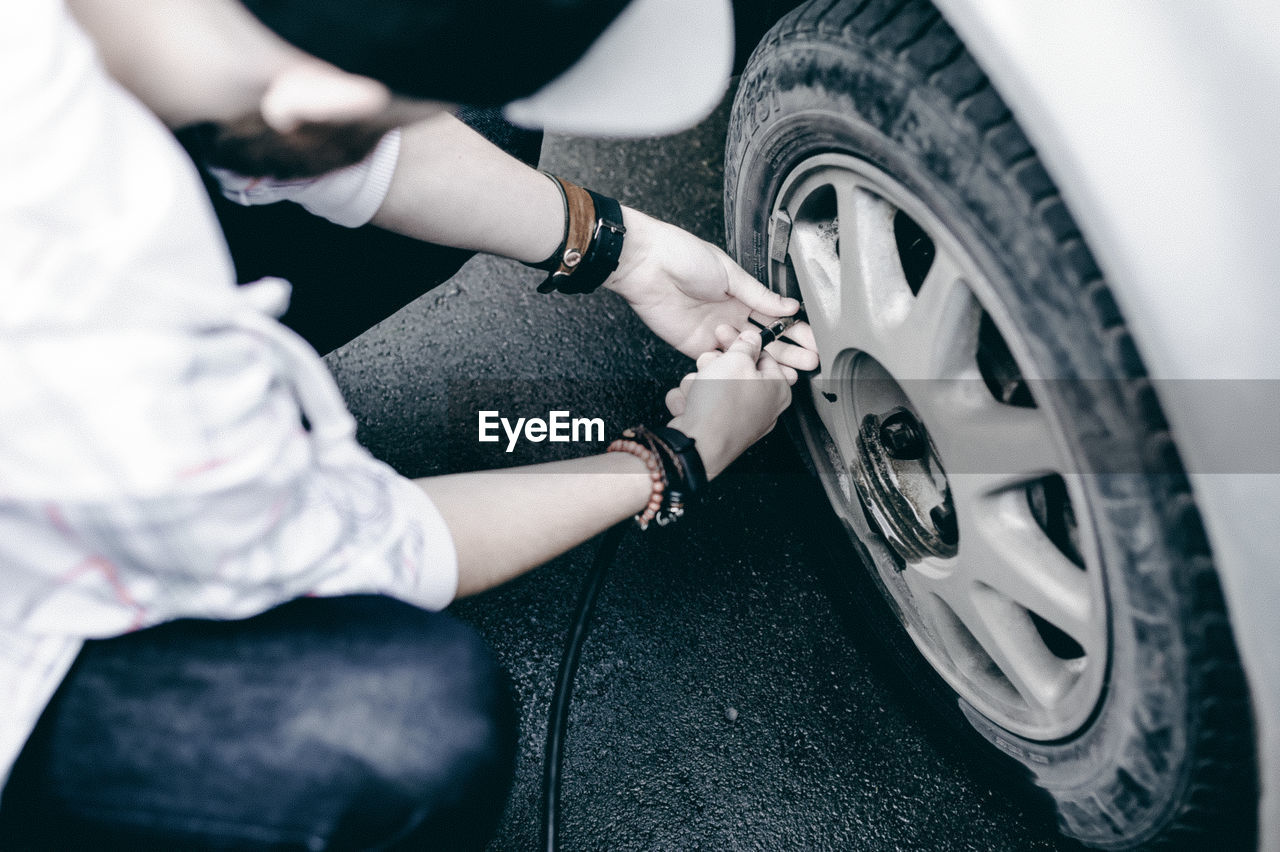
x,y
594,238
553,217
676,471
637,479
635,249
711,446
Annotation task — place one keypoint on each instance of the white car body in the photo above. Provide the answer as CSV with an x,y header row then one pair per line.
x,y
1160,123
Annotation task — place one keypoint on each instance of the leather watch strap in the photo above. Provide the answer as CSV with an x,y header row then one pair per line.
x,y
582,219
593,241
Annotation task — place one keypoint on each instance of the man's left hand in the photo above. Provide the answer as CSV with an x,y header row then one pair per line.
x,y
684,288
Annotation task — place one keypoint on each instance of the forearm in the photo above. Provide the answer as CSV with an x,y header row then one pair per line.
x,y
506,522
456,188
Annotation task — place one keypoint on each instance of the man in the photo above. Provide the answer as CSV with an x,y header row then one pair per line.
x,y
171,453
663,68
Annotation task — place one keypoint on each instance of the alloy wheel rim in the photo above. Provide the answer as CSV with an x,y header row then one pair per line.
x,y
1013,613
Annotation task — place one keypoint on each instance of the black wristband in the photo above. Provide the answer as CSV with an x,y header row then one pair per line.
x,y
601,258
683,474
692,474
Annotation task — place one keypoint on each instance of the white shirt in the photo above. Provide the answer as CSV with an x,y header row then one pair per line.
x,y
153,461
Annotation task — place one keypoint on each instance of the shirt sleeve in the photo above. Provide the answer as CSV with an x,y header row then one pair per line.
x,y
349,197
205,475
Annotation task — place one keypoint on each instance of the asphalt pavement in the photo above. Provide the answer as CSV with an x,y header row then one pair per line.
x,y
727,698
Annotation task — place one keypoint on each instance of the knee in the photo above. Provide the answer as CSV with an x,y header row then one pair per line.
x,y
433,726
461,718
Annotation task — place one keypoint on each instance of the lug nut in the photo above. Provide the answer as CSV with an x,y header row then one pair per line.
x,y
903,436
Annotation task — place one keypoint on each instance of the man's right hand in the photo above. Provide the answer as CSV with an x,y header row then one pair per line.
x,y
732,401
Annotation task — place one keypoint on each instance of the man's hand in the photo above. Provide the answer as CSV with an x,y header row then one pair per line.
x,y
732,401
684,288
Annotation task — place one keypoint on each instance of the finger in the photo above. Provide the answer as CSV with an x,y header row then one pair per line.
x,y
793,356
725,335
707,357
768,366
686,382
775,372
802,334
747,343
756,296
675,400
771,370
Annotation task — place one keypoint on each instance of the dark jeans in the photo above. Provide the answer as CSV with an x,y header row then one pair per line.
x,y
336,724
356,723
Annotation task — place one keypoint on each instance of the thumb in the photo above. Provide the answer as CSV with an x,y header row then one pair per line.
x,y
758,297
748,343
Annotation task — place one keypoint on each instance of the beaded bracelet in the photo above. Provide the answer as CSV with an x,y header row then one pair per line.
x,y
674,466
656,475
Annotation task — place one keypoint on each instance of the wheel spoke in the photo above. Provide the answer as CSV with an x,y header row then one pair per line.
x,y
814,258
938,336
846,264
1003,634
1005,550
985,446
873,290
817,280
1006,633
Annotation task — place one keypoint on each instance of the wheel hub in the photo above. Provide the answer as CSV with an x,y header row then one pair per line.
x,y
903,487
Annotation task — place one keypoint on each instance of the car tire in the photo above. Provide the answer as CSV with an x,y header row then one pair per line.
x,y
1162,754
